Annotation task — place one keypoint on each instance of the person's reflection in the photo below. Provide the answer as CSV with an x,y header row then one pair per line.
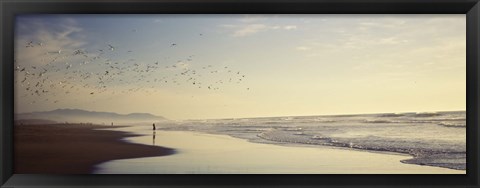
x,y
153,137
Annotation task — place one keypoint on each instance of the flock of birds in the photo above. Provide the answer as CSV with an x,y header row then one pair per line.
x,y
64,72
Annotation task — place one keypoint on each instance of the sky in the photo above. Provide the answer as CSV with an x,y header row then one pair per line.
x,y
233,66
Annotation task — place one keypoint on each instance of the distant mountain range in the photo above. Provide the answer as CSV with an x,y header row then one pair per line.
x,y
84,116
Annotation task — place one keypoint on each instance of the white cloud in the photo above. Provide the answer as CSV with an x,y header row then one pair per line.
x,y
242,30
392,41
249,30
251,18
290,27
65,37
252,24
276,27
303,48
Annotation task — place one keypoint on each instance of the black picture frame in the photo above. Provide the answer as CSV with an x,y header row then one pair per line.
x,y
10,8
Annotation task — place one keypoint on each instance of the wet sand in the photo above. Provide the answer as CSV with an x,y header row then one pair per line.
x,y
201,153
73,148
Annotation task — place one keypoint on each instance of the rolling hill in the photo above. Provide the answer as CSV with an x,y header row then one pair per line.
x,y
84,116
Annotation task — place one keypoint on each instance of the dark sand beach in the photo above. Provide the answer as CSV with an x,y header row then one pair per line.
x,y
73,148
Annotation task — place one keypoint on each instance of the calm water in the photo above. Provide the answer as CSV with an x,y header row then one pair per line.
x,y
203,153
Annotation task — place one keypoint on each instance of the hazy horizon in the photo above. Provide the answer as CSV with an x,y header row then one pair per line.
x,y
439,111
240,66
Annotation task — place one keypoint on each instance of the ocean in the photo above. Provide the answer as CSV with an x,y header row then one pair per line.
x,y
433,139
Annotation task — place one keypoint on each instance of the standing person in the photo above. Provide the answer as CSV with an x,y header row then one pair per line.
x,y
153,137
154,127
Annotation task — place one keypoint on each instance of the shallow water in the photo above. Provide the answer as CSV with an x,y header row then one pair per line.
x,y
200,153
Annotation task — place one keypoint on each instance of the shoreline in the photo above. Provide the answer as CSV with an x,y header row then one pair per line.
x,y
415,159
85,149
74,148
412,160
206,153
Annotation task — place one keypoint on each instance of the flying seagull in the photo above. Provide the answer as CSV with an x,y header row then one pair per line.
x,y
111,47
